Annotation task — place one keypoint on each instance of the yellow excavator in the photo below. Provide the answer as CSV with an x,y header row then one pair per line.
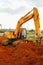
x,y
18,33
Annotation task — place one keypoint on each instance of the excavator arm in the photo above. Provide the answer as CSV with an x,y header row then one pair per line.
x,y
27,17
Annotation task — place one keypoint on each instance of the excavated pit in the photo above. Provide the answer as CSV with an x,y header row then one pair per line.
x,y
24,53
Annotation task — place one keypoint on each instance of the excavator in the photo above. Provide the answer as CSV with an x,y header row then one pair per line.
x,y
18,33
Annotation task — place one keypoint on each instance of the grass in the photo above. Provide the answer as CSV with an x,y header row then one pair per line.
x,y
31,36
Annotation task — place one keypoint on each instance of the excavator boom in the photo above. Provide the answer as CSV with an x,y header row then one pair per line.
x,y
27,17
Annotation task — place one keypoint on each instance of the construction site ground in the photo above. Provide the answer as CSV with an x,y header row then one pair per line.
x,y
24,53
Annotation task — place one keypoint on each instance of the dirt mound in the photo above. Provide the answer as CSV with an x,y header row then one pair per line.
x,y
2,39
23,54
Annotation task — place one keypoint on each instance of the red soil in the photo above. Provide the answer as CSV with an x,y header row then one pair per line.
x,y
2,39
22,54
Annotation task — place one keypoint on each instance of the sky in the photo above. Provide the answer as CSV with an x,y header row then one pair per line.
x,y
12,10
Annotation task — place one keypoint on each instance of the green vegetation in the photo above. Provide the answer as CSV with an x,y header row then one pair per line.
x,y
30,37
30,34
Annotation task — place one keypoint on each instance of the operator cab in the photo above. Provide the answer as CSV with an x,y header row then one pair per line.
x,y
23,33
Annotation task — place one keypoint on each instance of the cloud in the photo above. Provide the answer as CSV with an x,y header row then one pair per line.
x,y
9,4
16,3
31,3
6,1
13,6
39,3
13,11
